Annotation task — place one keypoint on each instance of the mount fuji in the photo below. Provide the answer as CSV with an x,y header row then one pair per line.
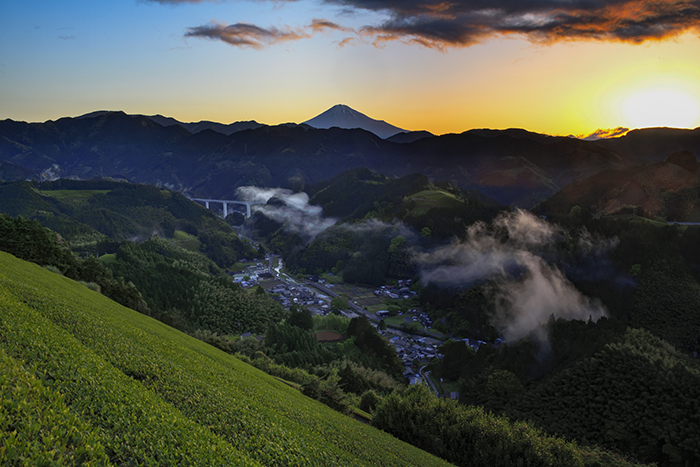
x,y
342,116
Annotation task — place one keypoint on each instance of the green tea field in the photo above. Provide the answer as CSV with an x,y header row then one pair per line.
x,y
85,381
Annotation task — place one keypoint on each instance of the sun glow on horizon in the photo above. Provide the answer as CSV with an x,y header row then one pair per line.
x,y
661,107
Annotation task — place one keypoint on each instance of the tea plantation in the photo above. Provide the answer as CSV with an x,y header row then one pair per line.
x,y
85,381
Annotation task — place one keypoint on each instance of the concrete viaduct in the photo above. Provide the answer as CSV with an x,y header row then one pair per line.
x,y
226,202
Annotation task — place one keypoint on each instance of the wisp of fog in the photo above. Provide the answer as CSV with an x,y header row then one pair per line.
x,y
296,214
510,254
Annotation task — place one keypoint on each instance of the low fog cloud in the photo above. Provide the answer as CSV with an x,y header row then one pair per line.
x,y
296,214
439,24
510,254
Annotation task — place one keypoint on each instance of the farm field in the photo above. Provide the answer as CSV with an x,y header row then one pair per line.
x,y
127,389
404,320
364,296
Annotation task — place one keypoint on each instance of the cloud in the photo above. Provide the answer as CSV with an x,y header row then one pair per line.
x,y
514,254
256,37
295,213
604,133
442,24
346,41
246,35
323,24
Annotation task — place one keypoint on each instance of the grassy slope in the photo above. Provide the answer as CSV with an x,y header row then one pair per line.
x,y
429,199
155,396
73,194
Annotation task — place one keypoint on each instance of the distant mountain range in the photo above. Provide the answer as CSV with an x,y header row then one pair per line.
x,y
512,166
192,127
339,116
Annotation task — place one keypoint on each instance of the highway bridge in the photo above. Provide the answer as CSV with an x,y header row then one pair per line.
x,y
226,202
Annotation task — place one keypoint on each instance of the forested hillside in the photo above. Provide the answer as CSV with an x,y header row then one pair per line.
x,y
94,216
599,382
90,382
187,290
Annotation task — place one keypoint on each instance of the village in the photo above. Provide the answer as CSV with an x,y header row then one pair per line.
x,y
415,351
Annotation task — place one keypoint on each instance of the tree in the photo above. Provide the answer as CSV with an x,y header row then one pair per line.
x,y
301,318
370,400
235,218
339,304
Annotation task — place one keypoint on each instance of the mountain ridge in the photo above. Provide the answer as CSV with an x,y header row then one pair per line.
x,y
513,166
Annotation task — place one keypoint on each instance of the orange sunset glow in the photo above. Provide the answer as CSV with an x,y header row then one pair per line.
x,y
540,69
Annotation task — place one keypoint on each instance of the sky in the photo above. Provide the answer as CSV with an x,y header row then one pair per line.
x,y
561,67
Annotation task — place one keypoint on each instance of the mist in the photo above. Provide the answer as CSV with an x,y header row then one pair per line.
x,y
295,213
517,255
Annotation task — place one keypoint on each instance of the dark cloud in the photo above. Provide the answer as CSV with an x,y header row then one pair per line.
x,y
441,24
246,35
461,23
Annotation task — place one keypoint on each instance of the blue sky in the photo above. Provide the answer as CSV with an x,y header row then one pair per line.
x,y
447,68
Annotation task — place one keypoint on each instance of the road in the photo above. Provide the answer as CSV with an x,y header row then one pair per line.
x,y
356,308
428,381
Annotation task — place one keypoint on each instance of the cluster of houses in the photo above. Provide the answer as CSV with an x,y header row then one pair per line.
x,y
401,290
289,294
423,318
410,350
250,276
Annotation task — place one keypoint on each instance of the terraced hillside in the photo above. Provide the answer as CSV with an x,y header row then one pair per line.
x,y
85,381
